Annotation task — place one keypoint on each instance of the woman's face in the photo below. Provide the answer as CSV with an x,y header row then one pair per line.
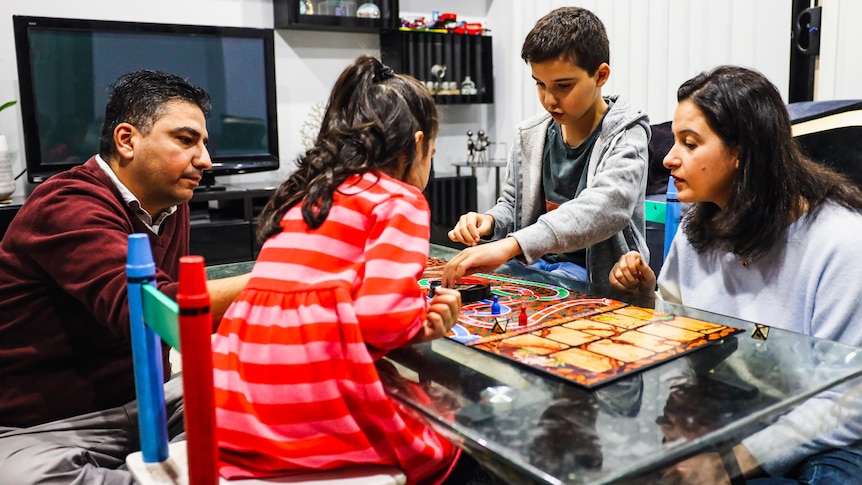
x,y
701,165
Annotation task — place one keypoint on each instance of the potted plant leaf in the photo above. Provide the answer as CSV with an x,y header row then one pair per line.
x,y
7,176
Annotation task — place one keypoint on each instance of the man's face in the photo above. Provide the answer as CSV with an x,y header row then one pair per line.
x,y
167,164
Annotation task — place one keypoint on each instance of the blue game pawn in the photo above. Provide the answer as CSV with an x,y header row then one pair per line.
x,y
495,306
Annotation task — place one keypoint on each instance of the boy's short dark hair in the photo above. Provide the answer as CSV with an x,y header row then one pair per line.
x,y
570,33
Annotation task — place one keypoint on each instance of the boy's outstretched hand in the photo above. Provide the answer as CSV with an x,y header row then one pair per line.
x,y
632,275
443,312
471,227
479,259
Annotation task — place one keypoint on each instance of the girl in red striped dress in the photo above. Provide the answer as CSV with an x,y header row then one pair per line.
x,y
333,289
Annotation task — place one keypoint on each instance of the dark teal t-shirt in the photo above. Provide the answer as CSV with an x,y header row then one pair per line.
x,y
564,177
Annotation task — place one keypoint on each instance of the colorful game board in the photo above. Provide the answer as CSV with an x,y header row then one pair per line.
x,y
572,335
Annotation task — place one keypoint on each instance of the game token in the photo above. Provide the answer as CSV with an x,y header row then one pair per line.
x,y
433,285
760,331
471,289
495,306
522,317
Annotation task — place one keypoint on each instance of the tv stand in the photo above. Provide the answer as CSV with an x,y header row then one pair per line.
x,y
208,184
224,222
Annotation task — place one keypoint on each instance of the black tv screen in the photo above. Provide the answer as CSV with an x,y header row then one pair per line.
x,y
65,67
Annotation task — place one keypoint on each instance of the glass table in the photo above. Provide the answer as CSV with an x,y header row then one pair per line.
x,y
531,427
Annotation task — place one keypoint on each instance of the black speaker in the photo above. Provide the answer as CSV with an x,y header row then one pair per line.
x,y
804,49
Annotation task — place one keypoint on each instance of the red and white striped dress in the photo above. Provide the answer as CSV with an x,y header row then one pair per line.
x,y
296,386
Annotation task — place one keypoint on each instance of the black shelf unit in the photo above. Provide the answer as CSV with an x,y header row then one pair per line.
x,y
287,15
224,222
414,52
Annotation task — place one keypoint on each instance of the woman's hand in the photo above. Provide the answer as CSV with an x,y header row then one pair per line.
x,y
471,227
632,275
703,469
443,312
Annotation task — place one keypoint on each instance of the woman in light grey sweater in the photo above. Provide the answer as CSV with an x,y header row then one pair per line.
x,y
773,238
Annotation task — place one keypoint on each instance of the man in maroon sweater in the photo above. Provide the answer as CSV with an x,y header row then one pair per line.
x,y
67,411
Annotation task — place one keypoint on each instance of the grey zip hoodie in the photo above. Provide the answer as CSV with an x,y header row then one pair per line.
x,y
606,218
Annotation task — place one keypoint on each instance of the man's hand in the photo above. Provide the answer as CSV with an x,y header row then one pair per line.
x,y
471,227
703,469
708,469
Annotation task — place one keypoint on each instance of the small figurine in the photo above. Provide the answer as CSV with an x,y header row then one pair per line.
x,y
438,72
471,147
482,143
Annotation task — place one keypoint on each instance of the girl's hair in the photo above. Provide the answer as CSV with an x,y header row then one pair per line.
x,y
775,182
369,125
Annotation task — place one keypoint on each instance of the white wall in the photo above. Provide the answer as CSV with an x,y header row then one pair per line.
x,y
658,44
839,71
655,45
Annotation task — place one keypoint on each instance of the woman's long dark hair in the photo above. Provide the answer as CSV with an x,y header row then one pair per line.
x,y
775,182
369,125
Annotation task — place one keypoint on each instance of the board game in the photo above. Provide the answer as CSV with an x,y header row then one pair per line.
x,y
572,335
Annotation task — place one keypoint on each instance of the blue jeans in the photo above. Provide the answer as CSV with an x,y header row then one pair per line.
x,y
833,467
566,269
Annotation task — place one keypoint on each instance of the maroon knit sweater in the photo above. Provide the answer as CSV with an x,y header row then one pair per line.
x,y
65,347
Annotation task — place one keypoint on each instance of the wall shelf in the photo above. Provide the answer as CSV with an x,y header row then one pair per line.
x,y
415,52
334,15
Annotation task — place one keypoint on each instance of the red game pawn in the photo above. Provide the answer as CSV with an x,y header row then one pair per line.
x,y
522,317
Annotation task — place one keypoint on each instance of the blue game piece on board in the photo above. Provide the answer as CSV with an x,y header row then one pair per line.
x,y
495,306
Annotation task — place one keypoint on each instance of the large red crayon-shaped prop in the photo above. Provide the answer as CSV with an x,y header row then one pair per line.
x,y
196,349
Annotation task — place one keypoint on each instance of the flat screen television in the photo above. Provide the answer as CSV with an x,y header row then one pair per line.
x,y
65,67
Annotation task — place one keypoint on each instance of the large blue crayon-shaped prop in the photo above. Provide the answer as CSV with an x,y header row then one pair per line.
x,y
147,354
673,214
196,340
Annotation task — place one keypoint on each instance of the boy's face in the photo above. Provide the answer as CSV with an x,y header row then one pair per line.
x,y
566,90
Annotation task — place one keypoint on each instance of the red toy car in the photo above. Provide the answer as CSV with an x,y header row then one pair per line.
x,y
471,28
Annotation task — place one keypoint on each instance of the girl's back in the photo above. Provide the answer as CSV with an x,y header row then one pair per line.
x,y
296,385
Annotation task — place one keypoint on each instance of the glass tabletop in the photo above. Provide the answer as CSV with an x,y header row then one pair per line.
x,y
532,427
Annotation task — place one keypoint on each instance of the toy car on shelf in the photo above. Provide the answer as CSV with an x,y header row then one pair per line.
x,y
470,28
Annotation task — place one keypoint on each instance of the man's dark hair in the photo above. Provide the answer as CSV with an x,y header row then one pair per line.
x,y
139,98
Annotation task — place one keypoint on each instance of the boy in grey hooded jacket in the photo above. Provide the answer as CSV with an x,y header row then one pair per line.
x,y
576,176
